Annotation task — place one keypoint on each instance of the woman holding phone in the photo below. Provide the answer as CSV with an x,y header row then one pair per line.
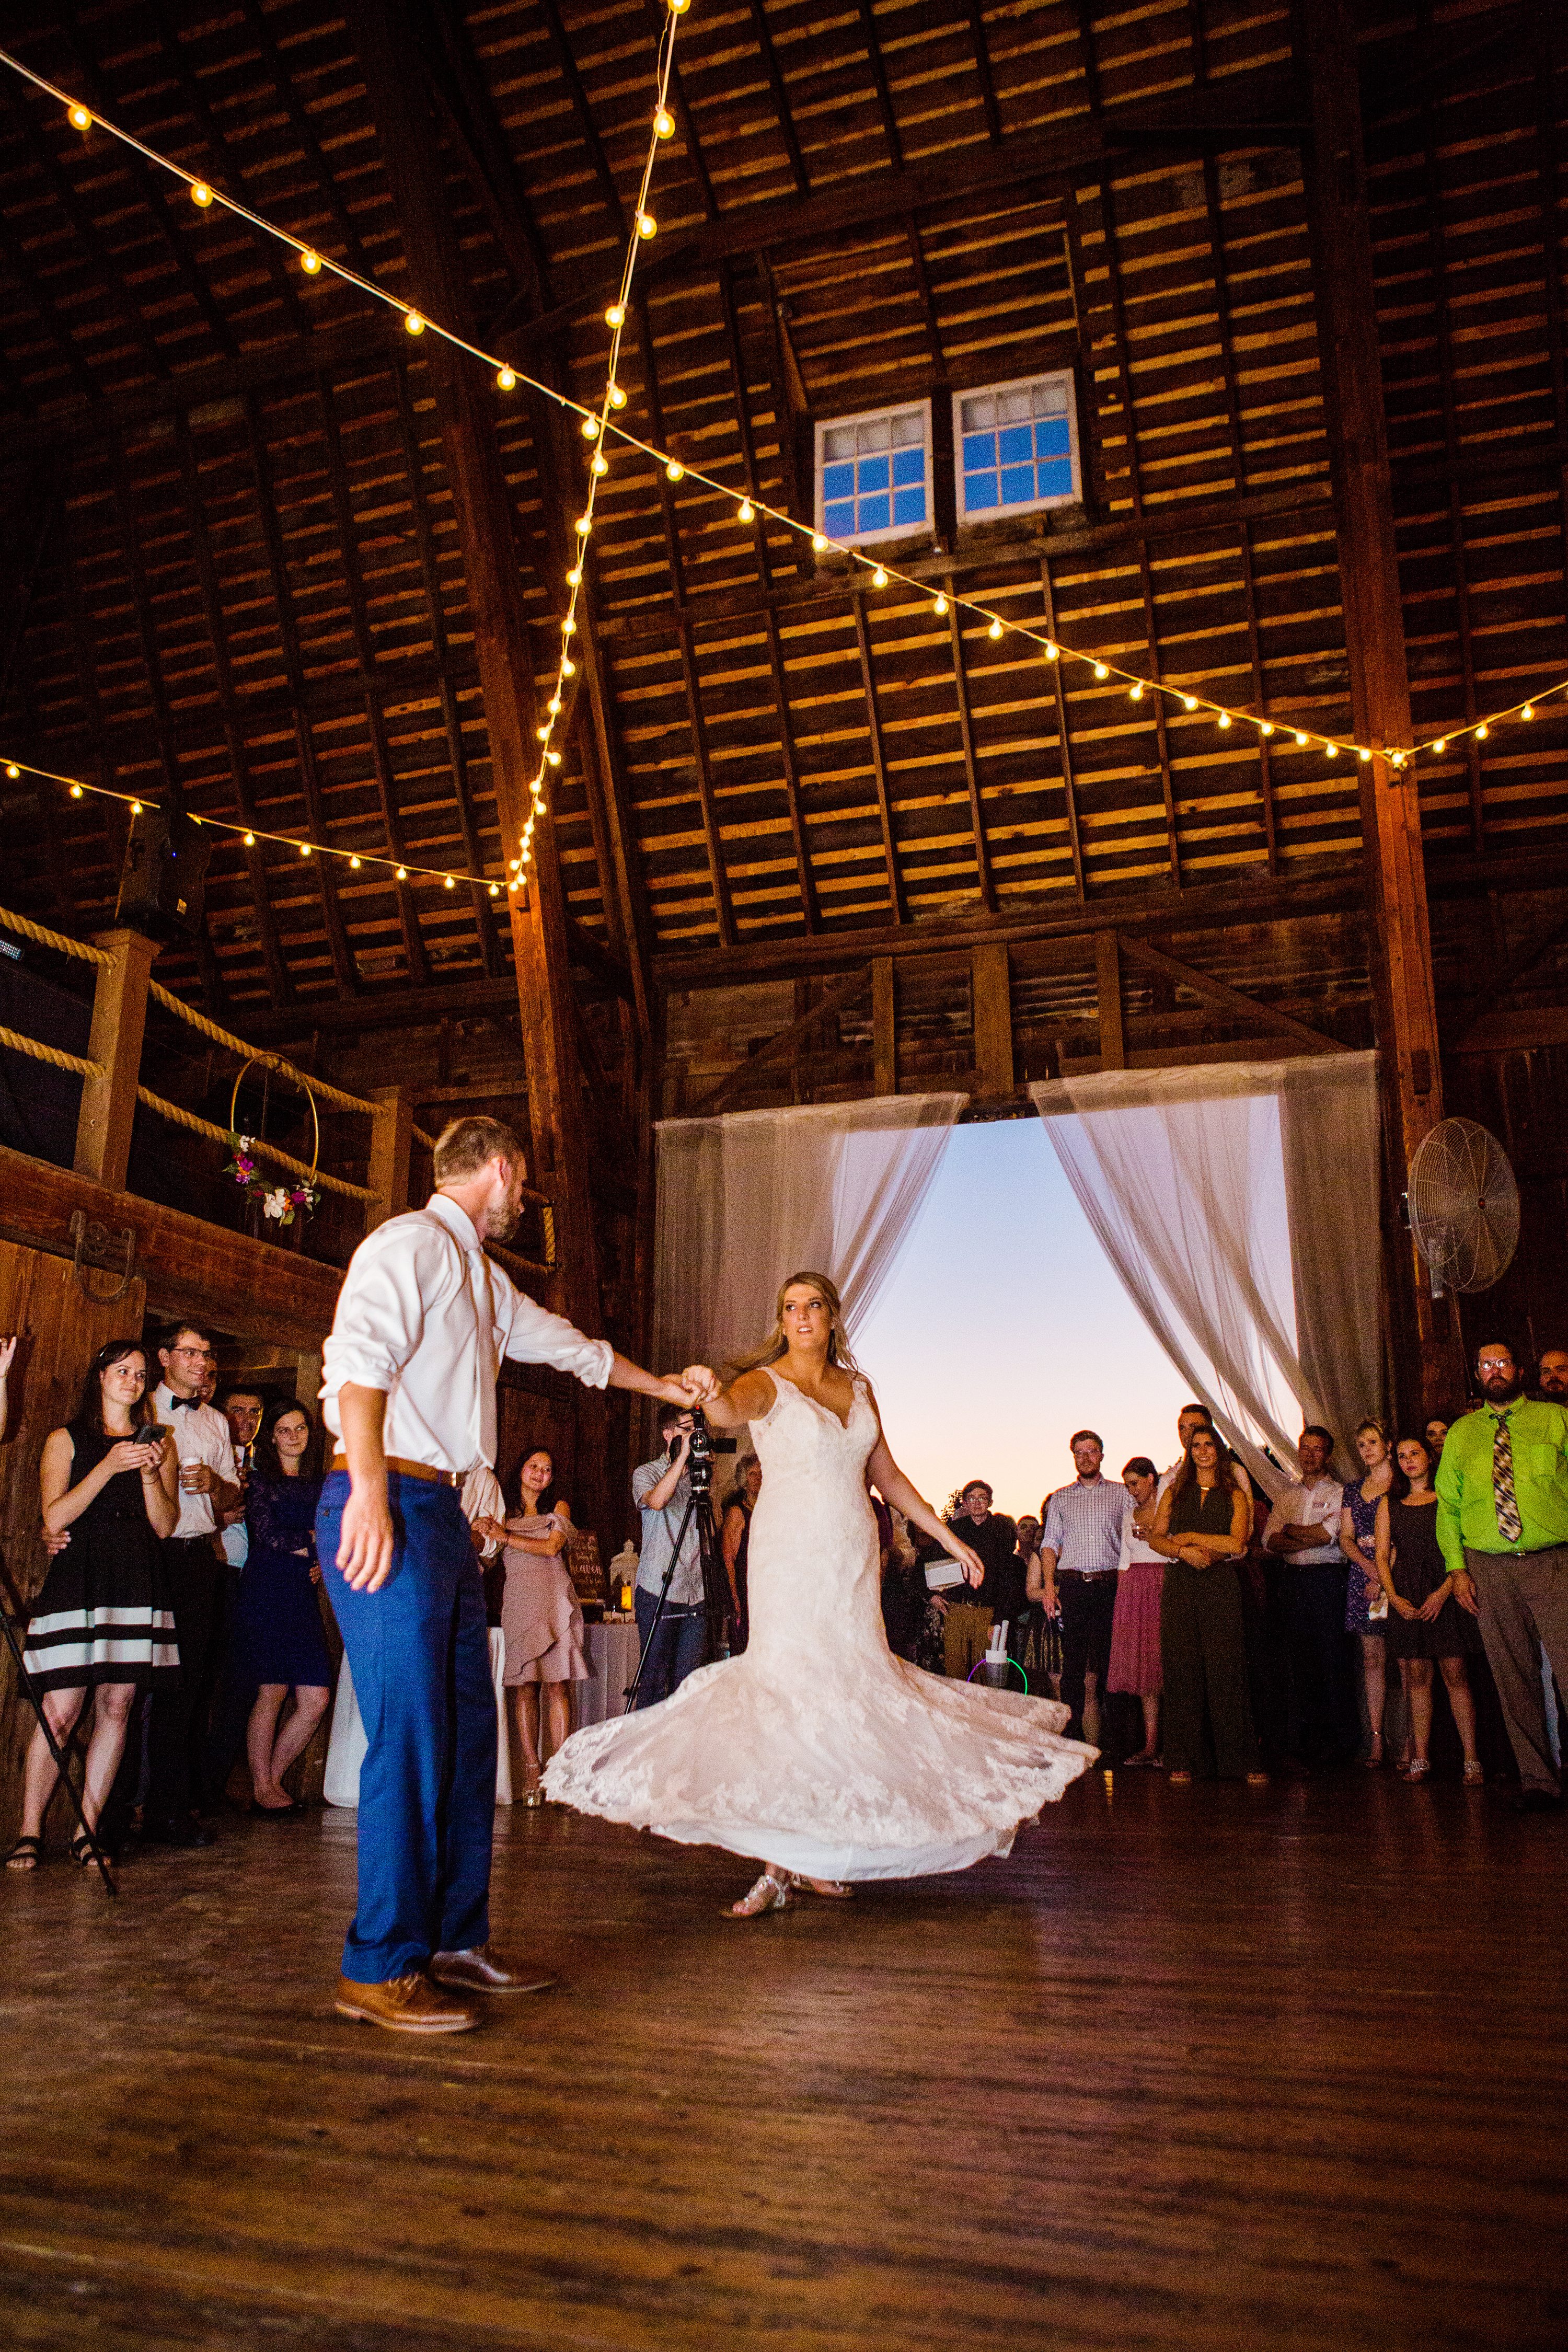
x,y
101,1622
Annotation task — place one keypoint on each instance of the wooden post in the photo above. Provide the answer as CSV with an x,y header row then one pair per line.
x,y
991,996
884,1028
391,1149
119,1017
1108,975
1399,942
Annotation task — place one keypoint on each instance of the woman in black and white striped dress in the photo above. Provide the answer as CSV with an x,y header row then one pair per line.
x,y
101,1622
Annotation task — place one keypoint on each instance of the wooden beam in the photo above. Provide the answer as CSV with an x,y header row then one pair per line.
x,y
777,1048
108,1109
884,1028
391,1152
971,764
879,762
1226,998
1515,1033
1339,209
1484,1007
991,998
1108,982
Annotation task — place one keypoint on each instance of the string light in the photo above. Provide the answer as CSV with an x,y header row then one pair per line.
x,y
1189,702
994,631
506,379
80,119
1528,712
746,511
590,428
615,316
201,193
601,463
646,225
250,841
674,469
939,607
818,544
12,769
310,263
135,808
1225,719
75,792
1101,671
663,125
880,577
1135,696
1441,744
1482,731
414,322
304,849
354,864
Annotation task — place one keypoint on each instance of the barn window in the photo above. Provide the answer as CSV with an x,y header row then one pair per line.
x,y
1018,448
873,474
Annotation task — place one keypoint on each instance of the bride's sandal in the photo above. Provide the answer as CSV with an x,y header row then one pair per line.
x,y
772,1892
832,1890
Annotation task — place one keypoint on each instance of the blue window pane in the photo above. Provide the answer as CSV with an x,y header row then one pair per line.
x,y
838,521
873,474
909,465
1017,446
910,506
1018,485
838,482
979,450
1051,438
874,514
979,492
1056,480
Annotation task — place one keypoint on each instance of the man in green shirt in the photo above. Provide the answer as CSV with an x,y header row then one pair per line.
x,y
1503,1522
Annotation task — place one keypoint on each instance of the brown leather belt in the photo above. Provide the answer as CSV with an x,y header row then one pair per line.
x,y
410,1470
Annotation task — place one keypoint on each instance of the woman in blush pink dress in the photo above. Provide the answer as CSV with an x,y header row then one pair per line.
x,y
541,1619
1136,1629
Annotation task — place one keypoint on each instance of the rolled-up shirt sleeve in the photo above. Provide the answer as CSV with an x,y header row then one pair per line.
x,y
380,1318
534,1336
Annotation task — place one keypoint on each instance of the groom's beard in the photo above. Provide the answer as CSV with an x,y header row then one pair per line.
x,y
502,1223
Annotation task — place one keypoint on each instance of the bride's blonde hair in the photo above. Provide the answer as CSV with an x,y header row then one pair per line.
x,y
775,1345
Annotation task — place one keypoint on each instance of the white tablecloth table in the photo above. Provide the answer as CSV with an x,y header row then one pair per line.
x,y
346,1747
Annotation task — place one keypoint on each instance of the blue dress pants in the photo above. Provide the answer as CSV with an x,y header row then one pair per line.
x,y
678,1646
419,1652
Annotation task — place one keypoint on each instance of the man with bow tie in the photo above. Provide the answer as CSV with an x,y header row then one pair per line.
x,y
423,1322
209,1485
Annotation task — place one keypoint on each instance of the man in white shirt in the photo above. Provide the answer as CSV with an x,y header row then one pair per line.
x,y
423,1322
1303,1531
209,1485
1080,1544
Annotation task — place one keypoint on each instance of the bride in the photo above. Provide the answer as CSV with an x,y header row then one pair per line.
x,y
816,1751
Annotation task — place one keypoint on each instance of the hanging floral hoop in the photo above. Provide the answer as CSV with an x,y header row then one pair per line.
x,y
278,1203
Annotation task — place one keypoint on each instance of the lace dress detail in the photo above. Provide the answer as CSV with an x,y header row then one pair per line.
x,y
818,1750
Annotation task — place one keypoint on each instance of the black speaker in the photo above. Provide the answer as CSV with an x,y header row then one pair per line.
x,y
162,884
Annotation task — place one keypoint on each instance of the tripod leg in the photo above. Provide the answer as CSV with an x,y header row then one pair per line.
x,y
24,1684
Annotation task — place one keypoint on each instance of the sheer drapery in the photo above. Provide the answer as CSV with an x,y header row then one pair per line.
x,y
745,1200
1239,1204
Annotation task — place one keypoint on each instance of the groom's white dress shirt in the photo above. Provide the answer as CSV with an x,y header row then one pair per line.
x,y
425,1316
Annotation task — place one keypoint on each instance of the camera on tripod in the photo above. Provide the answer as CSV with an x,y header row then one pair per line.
x,y
703,1446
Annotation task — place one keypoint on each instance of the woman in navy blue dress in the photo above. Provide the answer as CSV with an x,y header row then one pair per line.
x,y
279,1644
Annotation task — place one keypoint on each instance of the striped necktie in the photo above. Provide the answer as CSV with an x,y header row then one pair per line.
x,y
1509,1526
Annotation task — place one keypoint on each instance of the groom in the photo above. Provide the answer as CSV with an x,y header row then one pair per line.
x,y
423,1322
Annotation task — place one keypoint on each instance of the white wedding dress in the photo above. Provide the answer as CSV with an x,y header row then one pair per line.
x,y
818,1750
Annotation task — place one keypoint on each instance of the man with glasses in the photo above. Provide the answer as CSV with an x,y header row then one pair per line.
x,y
1502,1521
209,1485
1081,1547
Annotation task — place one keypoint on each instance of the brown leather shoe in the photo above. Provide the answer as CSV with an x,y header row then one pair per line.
x,y
408,2004
484,1970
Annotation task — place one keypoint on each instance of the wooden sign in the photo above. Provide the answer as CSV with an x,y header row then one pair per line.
x,y
584,1562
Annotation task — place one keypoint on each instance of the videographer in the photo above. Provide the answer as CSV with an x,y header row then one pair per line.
x,y
661,1489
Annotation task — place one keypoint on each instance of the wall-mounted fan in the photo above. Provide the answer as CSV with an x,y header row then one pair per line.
x,y
1464,1205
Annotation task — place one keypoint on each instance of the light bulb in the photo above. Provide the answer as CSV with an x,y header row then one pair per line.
x,y
1135,694
12,769
575,577
1189,702
354,863
601,463
1482,731
584,525
1225,719
994,631
1365,757
616,396
568,667
590,428
1267,728
1053,652
939,606
75,792
616,315
1101,671
554,757
746,511
1331,749
201,193
403,873
310,263
1441,744
250,841
568,627
674,471
304,849
818,544
135,808
80,119
679,7
664,124
495,889
450,884
1301,740
553,706
646,224
414,322
506,379
543,733
878,577
1529,711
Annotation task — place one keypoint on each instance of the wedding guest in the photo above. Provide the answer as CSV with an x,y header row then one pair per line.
x,y
242,1408
1425,1620
968,1616
541,1618
101,1622
1552,1375
1436,1436
661,1490
280,1646
735,1537
1079,1547
1135,1628
1202,1525
1303,1531
1030,1649
903,1587
1364,1590
1502,1521
209,1485
1191,1417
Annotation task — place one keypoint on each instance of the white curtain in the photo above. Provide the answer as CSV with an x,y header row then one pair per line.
x,y
1239,1204
745,1201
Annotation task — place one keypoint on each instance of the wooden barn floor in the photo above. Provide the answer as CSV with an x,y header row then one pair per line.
x,y
1197,2070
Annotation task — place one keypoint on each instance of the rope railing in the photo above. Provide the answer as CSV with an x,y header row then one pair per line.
x,y
44,939
303,1078
189,1119
61,1060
